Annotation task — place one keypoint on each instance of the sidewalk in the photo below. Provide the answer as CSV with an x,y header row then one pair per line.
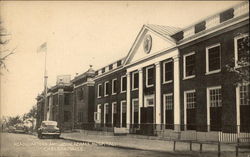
x,y
130,142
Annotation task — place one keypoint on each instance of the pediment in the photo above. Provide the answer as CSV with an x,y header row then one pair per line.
x,y
159,42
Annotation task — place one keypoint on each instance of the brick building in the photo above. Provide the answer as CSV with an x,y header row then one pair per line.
x,y
172,83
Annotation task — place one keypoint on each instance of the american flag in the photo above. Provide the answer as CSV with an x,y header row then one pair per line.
x,y
42,48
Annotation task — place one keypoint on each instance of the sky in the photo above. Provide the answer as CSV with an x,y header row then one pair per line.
x,y
78,34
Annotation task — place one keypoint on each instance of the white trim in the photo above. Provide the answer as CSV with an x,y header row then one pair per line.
x,y
208,103
185,104
123,101
136,72
163,74
147,68
122,91
105,94
236,47
105,108
128,102
184,66
113,93
133,116
238,108
112,112
164,106
207,59
99,91
98,111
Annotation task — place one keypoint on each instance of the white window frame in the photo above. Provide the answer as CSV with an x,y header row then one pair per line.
x,y
164,67
98,113
184,66
236,48
164,106
208,102
133,103
238,105
122,91
105,86
104,115
99,91
133,80
147,68
123,101
113,93
149,97
112,111
207,59
185,104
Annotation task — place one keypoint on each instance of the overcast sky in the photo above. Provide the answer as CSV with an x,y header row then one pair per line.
x,y
78,34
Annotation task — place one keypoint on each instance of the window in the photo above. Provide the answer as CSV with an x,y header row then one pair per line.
x,y
244,95
80,116
106,112
167,71
106,90
114,107
213,59
135,80
189,65
190,99
67,116
98,113
114,86
150,76
123,83
99,89
190,109
135,110
215,97
168,101
149,101
241,49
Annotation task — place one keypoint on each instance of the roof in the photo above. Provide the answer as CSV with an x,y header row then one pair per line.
x,y
163,30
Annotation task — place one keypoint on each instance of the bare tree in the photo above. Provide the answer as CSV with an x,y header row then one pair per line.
x,y
4,52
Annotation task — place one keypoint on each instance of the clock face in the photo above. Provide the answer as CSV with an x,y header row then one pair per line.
x,y
147,44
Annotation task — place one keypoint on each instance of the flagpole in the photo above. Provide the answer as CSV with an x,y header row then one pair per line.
x,y
45,84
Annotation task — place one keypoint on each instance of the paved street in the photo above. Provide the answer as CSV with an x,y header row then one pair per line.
x,y
23,145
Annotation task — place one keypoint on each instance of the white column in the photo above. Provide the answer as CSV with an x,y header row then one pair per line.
x,y
128,101
140,94
177,114
238,108
157,93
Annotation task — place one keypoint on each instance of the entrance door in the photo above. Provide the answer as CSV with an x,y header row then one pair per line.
x,y
123,112
147,115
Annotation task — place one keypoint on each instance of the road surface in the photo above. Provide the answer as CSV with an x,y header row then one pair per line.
x,y
23,145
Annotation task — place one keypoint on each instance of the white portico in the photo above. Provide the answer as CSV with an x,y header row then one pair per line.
x,y
152,46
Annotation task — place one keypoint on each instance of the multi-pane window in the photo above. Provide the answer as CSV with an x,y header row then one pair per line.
x,y
106,109
99,90
135,80
191,100
106,90
189,65
167,71
150,76
114,86
244,95
124,107
123,83
168,101
213,54
241,44
215,97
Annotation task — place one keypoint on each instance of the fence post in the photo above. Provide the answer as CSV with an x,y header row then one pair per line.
x,y
218,149
237,148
